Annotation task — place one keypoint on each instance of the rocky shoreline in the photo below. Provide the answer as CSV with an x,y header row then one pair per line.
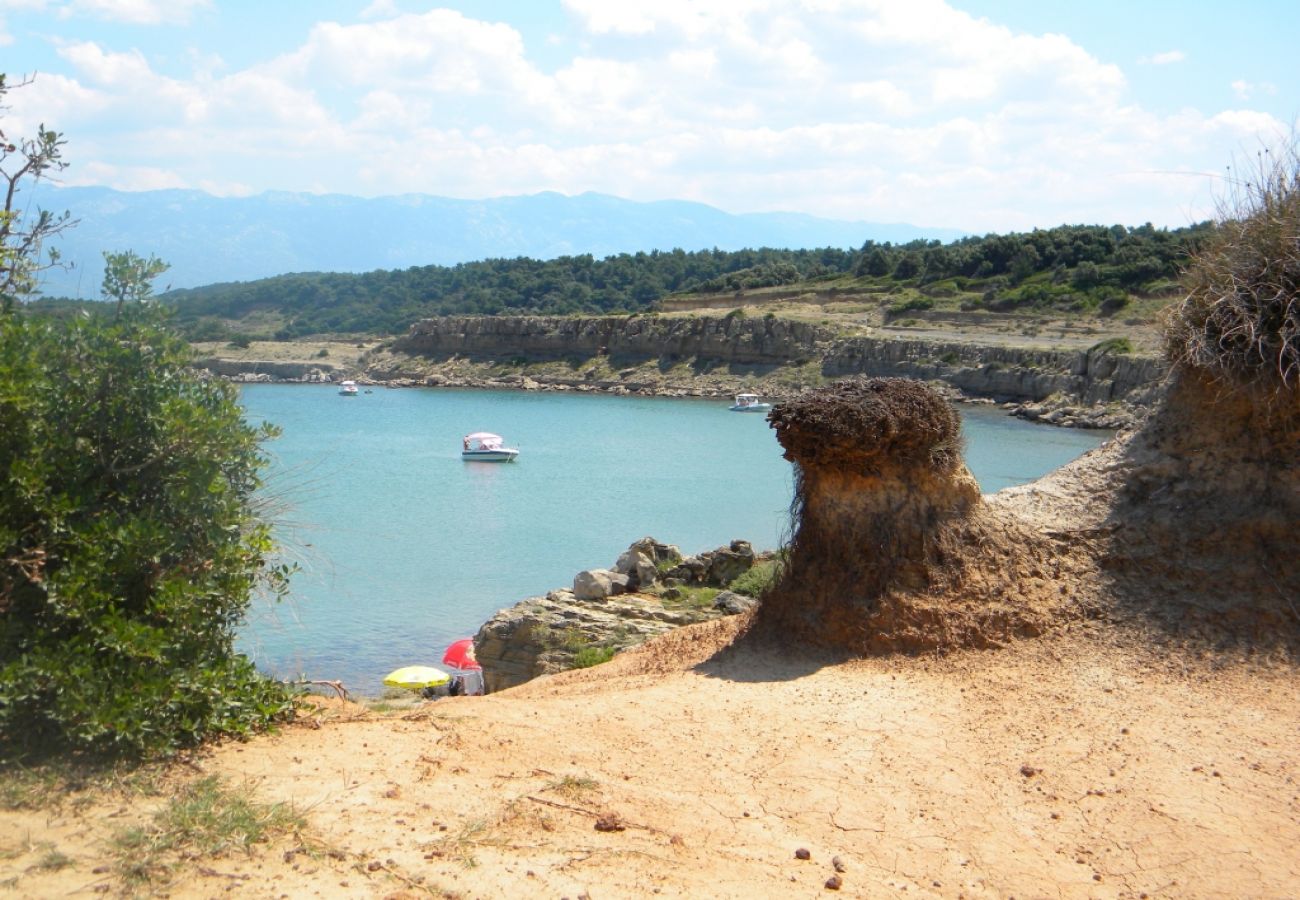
x,y
651,589
1062,411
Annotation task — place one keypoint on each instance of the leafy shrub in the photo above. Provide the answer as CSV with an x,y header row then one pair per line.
x,y
1119,345
758,579
913,303
592,656
129,547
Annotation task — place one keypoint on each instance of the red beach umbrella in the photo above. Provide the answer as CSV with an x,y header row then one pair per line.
x,y
460,655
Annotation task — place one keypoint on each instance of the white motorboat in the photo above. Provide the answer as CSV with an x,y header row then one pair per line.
x,y
484,446
348,389
749,403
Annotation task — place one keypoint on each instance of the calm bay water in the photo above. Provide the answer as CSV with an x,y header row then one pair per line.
x,y
404,548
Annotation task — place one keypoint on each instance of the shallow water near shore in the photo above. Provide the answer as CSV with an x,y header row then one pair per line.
x,y
403,547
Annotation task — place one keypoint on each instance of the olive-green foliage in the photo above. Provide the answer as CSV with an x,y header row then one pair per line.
x,y
1119,346
1081,268
592,656
387,302
25,229
129,544
758,579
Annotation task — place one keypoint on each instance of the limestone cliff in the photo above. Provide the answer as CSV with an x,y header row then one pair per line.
x,y
751,346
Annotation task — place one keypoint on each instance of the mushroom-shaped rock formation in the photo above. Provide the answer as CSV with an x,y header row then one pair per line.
x,y
893,549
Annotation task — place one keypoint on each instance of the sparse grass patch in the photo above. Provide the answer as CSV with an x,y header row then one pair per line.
x,y
592,656
48,786
758,579
207,818
24,788
691,598
53,859
573,786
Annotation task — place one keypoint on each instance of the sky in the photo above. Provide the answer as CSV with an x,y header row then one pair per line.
x,y
981,115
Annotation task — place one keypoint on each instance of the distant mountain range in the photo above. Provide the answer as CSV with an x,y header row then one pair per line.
x,y
209,239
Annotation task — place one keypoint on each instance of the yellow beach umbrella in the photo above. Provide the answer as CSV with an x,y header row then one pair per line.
x,y
416,677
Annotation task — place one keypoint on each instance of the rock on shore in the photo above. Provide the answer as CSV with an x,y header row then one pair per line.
x,y
646,593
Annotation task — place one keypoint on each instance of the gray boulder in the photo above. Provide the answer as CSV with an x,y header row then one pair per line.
x,y
732,603
597,584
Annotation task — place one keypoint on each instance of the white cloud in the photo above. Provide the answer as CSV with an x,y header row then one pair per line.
x,y
1246,89
1169,57
379,9
138,12
647,16
862,109
126,178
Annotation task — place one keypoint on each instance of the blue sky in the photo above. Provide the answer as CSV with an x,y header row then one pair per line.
x,y
984,115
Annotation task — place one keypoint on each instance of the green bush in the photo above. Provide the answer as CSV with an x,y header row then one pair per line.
x,y
1117,345
129,543
758,579
910,304
592,656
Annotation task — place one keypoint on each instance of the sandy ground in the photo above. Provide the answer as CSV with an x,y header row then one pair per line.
x,y
1069,767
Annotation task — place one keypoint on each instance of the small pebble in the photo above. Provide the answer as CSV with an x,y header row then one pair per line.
x,y
837,863
802,853
834,883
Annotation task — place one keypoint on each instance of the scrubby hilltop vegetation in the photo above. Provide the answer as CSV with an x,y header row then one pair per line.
x,y
1089,269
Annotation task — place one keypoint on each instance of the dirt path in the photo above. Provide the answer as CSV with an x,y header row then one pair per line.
x,y
1065,768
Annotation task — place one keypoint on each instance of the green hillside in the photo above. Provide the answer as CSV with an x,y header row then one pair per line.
x,y
1084,270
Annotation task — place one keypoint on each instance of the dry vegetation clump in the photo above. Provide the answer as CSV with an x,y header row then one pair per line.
x,y
1240,320
868,424
893,550
1203,529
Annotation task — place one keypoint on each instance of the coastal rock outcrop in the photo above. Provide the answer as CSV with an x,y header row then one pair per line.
x,y
894,549
599,617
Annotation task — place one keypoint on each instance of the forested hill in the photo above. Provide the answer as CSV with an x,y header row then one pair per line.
x,y
1070,267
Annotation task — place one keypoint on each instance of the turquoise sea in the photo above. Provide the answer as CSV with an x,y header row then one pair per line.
x,y
403,548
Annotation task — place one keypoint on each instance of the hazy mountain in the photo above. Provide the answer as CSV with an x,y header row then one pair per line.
x,y
211,239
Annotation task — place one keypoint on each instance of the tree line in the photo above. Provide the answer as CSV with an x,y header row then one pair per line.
x,y
1074,266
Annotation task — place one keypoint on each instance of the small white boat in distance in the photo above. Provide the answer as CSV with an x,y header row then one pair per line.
x,y
749,403
348,389
484,446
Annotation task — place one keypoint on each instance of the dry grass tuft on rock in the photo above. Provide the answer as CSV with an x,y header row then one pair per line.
x,y
1202,532
866,424
1240,320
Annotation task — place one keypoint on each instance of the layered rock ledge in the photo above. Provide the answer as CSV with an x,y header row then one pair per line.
x,y
651,589
714,355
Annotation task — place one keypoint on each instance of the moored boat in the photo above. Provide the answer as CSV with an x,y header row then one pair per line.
x,y
348,389
749,403
484,446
